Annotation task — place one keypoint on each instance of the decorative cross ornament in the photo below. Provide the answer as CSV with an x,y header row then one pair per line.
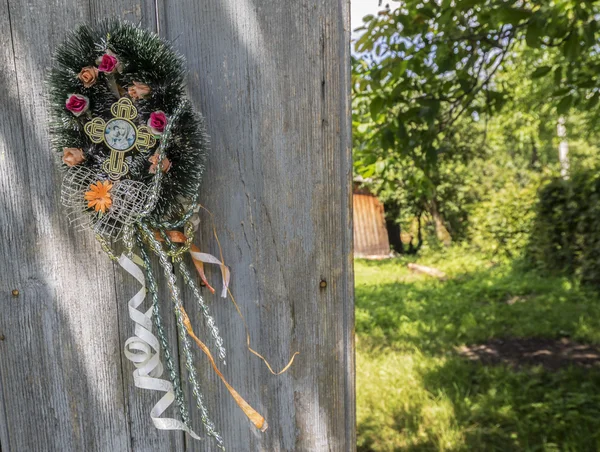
x,y
121,135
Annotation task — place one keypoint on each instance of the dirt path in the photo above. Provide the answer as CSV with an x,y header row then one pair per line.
x,y
518,352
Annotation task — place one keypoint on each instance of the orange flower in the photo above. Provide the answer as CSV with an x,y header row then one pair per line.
x,y
99,197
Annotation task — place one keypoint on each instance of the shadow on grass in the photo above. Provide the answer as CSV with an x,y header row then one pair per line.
x,y
534,409
493,409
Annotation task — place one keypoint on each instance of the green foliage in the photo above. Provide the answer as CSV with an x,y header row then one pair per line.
x,y
501,222
566,232
408,327
430,79
148,59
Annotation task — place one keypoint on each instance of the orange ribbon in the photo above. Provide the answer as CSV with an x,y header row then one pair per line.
x,y
258,421
179,237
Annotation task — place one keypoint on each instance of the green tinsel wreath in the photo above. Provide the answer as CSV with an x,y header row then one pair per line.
x,y
133,153
146,59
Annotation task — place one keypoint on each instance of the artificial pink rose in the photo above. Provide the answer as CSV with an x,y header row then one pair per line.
x,y
138,90
77,104
157,122
108,63
165,164
73,156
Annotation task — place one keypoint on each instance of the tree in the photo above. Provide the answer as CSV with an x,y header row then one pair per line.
x,y
427,71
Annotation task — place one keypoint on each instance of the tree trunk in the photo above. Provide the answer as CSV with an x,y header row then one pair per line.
x,y
392,213
414,249
563,148
441,231
534,153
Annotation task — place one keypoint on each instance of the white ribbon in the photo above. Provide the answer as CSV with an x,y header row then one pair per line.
x,y
210,259
139,350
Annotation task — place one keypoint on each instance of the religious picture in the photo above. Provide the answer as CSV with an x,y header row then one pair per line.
x,y
119,134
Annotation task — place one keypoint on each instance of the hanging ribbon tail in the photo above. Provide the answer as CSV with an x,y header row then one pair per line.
x,y
258,421
199,258
200,269
143,350
179,237
210,259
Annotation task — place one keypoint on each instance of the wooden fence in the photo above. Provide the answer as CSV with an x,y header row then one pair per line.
x,y
272,78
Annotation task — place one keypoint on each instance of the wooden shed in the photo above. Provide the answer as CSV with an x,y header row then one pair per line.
x,y
272,78
370,233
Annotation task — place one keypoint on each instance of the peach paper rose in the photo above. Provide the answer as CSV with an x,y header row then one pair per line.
x,y
88,76
138,90
165,165
73,156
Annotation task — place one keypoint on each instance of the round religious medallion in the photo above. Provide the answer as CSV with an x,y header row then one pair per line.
x,y
120,134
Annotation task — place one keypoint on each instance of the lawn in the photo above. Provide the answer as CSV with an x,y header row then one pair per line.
x,y
417,393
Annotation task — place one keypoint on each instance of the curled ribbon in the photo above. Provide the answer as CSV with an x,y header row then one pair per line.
x,y
199,259
258,421
139,350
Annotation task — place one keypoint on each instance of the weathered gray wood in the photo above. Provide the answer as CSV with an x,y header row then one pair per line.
x,y
272,78
60,360
144,437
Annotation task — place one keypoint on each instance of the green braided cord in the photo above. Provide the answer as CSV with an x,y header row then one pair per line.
x,y
156,247
160,332
154,193
106,248
176,224
128,234
210,321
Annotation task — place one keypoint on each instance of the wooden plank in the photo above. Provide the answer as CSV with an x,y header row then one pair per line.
x,y
143,436
61,357
272,78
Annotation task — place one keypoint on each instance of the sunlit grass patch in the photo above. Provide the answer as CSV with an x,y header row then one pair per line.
x,y
416,393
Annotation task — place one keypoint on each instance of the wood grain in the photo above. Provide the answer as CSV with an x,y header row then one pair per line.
x,y
272,79
60,366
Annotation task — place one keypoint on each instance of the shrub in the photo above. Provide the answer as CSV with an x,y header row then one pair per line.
x,y
501,224
566,232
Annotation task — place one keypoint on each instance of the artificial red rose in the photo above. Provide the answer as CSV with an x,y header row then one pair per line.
x,y
77,104
108,63
157,122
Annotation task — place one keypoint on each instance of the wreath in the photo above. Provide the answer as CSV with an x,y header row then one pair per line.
x,y
132,150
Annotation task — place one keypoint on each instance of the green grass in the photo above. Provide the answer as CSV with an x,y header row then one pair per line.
x,y
414,393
